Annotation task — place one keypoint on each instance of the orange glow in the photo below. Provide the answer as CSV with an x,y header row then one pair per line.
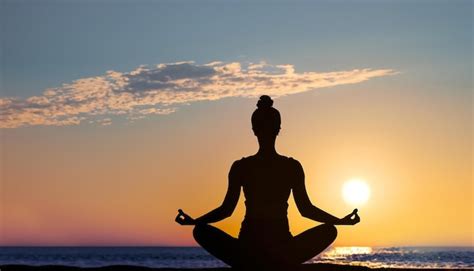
x,y
122,184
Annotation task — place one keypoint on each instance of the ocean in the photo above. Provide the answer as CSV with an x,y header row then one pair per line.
x,y
195,257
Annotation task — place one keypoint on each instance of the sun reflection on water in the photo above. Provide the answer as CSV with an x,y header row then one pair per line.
x,y
399,257
336,253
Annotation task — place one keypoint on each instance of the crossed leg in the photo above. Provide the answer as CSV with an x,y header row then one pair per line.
x,y
310,243
300,248
218,243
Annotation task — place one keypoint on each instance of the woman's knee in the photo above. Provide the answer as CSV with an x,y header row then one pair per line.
x,y
205,234
331,231
199,232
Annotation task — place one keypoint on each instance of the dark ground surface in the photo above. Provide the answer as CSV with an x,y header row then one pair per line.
x,y
305,267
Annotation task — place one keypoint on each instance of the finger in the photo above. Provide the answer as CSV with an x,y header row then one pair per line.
x,y
180,211
179,220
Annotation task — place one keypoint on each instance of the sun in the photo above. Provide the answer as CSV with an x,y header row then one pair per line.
x,y
356,191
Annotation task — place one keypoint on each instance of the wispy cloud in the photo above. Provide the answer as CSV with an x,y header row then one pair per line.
x,y
162,89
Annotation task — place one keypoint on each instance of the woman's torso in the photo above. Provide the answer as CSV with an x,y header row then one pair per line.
x,y
267,183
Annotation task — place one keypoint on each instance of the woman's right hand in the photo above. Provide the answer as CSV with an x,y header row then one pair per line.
x,y
184,219
350,219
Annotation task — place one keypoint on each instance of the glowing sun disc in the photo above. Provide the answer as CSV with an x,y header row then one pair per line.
x,y
356,191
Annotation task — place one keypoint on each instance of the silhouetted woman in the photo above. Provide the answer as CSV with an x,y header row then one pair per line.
x,y
267,179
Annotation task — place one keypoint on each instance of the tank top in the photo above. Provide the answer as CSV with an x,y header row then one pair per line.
x,y
267,183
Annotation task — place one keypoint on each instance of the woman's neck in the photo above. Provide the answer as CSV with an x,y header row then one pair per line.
x,y
267,147
267,151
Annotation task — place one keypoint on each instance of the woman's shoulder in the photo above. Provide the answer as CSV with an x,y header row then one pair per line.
x,y
245,160
294,162
287,163
240,161
254,158
287,159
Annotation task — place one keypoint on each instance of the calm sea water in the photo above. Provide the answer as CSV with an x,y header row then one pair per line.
x,y
192,257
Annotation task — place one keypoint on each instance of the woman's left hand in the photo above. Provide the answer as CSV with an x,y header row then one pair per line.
x,y
184,219
350,219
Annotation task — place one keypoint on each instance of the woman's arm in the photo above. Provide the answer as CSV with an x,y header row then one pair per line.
x,y
228,205
308,210
230,200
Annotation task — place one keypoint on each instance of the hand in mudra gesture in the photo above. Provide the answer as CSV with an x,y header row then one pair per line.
x,y
183,219
350,219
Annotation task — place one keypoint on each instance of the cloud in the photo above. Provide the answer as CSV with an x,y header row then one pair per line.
x,y
162,89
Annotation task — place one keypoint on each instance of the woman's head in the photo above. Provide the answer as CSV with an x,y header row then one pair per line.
x,y
266,120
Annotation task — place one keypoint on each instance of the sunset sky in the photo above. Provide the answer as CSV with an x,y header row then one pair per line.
x,y
115,114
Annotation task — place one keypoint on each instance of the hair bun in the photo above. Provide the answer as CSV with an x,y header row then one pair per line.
x,y
265,102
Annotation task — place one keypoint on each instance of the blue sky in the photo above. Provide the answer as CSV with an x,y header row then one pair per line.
x,y
47,43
